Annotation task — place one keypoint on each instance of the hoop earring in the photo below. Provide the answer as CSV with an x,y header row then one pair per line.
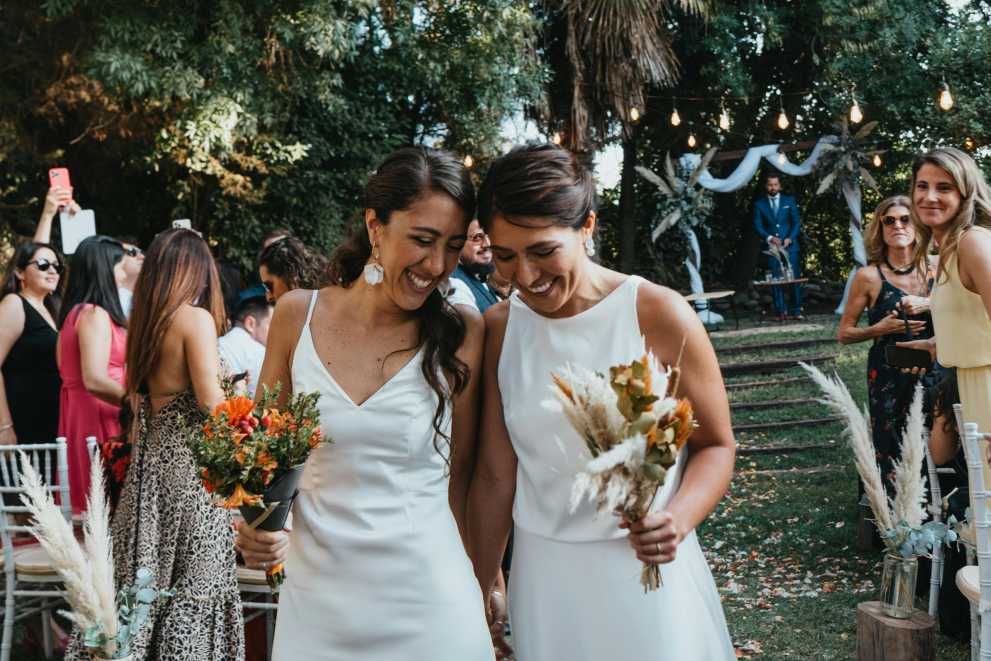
x,y
373,271
590,247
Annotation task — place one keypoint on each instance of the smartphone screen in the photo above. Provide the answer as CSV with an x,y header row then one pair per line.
x,y
183,223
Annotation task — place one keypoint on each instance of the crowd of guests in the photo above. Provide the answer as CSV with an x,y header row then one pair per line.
x,y
927,286
131,347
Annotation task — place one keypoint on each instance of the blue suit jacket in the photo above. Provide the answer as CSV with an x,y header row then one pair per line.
x,y
483,295
785,225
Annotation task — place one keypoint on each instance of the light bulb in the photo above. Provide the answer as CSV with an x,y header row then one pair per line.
x,y
556,138
968,144
877,160
724,120
856,116
675,118
783,122
691,140
945,98
469,161
634,115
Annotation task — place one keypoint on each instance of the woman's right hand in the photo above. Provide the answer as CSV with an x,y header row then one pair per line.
x,y
261,549
59,196
8,437
497,614
891,324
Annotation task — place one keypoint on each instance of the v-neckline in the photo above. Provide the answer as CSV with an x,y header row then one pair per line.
x,y
31,305
340,388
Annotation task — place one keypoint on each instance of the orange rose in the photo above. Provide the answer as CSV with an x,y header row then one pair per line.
x,y
236,408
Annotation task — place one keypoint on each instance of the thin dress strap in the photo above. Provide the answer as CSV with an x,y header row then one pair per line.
x,y
313,304
880,272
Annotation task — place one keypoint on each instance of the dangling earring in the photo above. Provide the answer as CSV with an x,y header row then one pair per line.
x,y
373,271
590,247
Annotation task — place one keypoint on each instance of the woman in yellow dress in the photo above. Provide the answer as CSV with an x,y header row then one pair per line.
x,y
951,208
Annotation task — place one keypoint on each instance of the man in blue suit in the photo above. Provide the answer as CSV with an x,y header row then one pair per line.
x,y
776,220
475,266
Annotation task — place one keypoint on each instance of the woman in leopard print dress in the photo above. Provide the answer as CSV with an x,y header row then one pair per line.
x,y
164,520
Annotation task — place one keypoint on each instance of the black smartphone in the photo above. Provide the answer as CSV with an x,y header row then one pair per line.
x,y
905,358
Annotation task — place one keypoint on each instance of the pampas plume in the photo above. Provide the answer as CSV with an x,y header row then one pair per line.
x,y
99,547
908,505
55,535
838,398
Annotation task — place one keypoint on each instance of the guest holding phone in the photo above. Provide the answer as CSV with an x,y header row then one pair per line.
x,y
895,277
29,384
57,198
91,354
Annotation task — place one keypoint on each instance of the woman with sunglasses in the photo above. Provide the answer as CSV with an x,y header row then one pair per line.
x,y
287,264
894,278
91,352
29,386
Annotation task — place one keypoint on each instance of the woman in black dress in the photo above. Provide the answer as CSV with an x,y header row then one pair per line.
x,y
29,387
892,280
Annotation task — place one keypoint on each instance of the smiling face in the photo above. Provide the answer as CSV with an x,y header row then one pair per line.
x,y
476,250
900,233
418,247
773,186
38,281
546,262
936,197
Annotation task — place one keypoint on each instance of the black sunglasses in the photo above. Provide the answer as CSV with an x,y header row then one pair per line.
x,y
905,221
133,252
43,265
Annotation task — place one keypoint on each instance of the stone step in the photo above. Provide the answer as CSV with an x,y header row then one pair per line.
x,y
739,385
769,404
742,450
764,366
786,344
785,424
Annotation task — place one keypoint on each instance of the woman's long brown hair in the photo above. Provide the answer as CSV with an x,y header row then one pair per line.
x,y
178,270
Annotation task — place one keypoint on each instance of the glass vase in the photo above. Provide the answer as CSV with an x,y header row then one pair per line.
x,y
898,585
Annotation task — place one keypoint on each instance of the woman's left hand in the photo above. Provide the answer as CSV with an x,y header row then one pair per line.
x,y
655,537
914,304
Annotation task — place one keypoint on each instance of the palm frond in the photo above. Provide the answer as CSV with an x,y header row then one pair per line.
x,y
703,164
649,175
865,130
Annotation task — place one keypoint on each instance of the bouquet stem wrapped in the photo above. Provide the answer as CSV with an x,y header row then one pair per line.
x,y
251,457
632,434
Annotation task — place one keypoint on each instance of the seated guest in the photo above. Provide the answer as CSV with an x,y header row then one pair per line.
x,y
475,266
287,264
242,349
92,346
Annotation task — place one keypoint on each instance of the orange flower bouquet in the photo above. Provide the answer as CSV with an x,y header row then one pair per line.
x,y
251,457
632,434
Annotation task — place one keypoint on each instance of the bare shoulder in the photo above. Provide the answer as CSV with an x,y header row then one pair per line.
x,y
94,314
474,322
291,308
496,318
11,306
662,306
867,275
194,321
976,239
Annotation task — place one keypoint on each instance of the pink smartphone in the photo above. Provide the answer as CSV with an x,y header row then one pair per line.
x,y
59,177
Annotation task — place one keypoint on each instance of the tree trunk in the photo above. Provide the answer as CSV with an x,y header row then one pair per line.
x,y
628,206
881,638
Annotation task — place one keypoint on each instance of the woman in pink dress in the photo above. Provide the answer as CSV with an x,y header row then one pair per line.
x,y
91,354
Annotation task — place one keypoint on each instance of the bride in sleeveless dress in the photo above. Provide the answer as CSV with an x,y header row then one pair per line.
x,y
376,566
574,591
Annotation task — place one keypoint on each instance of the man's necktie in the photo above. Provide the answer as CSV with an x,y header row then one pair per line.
x,y
774,205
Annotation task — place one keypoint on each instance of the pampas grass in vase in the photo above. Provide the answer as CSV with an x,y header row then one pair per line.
x,y
108,620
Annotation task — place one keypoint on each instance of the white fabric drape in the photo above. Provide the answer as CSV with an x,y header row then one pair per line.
x,y
747,168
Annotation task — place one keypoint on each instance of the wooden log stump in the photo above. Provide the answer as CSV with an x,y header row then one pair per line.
x,y
883,638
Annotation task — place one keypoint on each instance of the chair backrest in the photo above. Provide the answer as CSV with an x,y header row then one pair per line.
x,y
50,461
979,501
935,492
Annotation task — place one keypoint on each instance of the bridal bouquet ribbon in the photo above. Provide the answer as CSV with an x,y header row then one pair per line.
x,y
251,457
632,434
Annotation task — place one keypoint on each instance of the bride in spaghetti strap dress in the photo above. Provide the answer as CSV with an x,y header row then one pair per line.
x,y
574,589
376,566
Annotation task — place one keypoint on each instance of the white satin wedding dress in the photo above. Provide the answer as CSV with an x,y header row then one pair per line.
x,y
376,568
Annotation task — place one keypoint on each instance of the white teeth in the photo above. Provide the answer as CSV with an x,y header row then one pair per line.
x,y
420,284
542,288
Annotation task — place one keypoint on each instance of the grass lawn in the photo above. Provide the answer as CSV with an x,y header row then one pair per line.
x,y
781,544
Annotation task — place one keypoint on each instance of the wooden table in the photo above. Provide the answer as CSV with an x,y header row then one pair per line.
x,y
777,283
716,295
